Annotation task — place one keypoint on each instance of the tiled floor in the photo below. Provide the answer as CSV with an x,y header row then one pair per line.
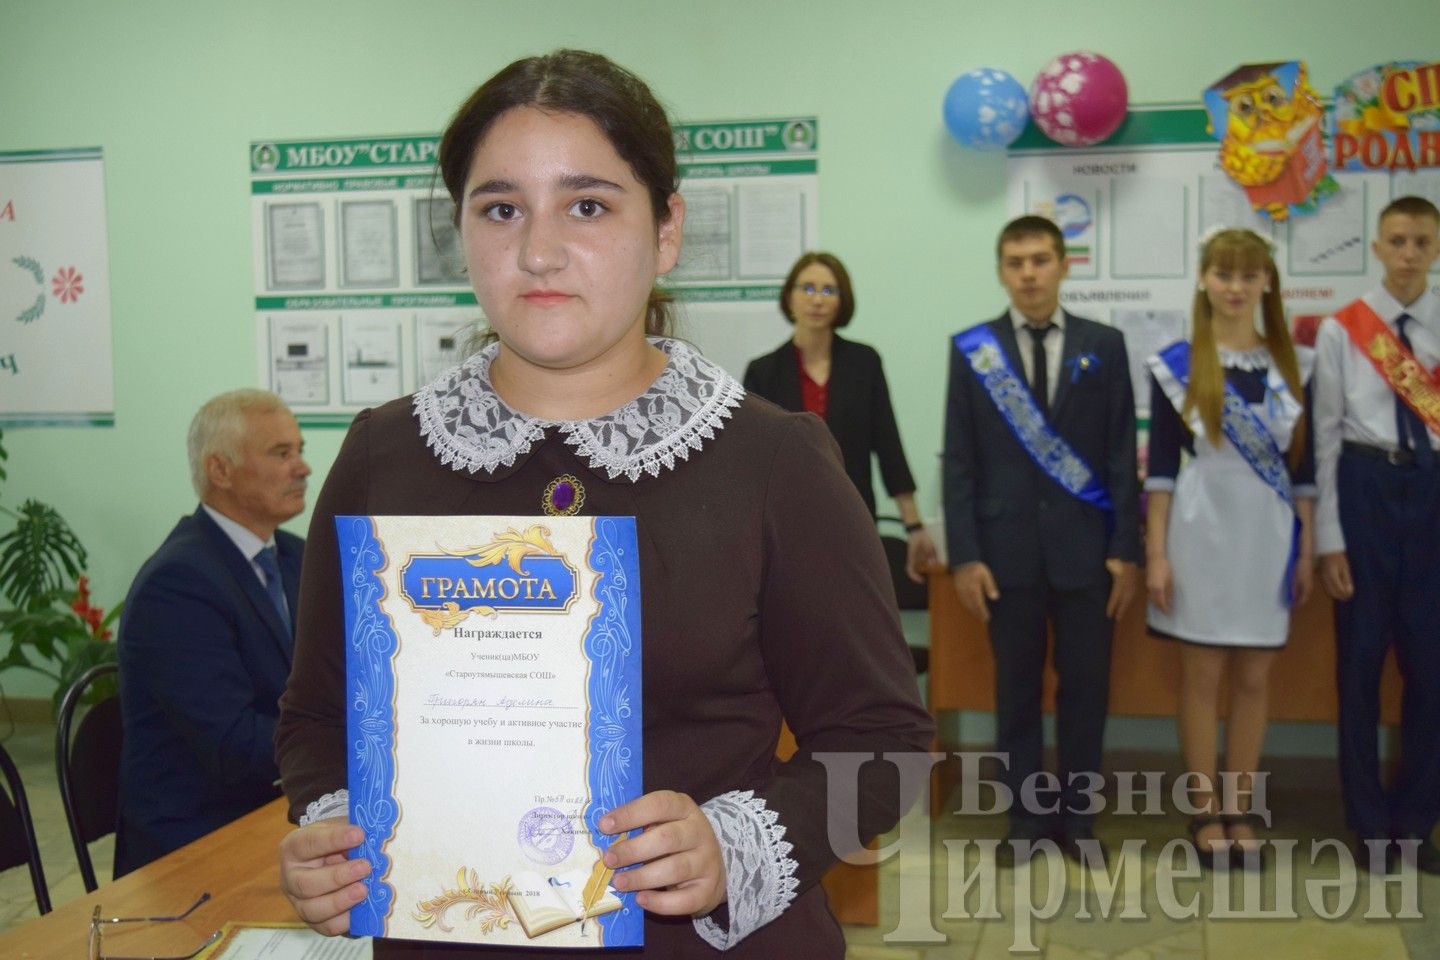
x,y
1308,902
32,747
943,901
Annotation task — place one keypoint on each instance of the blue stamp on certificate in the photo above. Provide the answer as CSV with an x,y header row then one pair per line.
x,y
493,694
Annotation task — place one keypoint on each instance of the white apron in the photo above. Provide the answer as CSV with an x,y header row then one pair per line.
x,y
1229,534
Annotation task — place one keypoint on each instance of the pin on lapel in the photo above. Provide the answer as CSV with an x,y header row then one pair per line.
x,y
1081,364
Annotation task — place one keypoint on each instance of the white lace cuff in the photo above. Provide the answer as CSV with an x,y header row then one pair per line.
x,y
759,871
335,804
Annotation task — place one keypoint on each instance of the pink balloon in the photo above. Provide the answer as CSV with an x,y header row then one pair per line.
x,y
1079,98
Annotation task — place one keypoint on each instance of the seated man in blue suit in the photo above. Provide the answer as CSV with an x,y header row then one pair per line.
x,y
207,633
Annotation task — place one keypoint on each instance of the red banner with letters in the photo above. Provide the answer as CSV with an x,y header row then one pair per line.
x,y
1387,117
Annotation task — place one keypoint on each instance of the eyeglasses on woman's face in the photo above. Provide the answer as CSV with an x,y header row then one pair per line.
x,y
827,291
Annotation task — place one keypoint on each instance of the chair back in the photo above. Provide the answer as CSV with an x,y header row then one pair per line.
x,y
17,831
909,595
88,767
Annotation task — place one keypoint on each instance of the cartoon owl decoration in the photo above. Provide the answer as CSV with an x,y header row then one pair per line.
x,y
1268,121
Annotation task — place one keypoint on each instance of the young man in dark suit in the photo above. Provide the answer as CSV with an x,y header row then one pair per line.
x,y
207,633
1042,522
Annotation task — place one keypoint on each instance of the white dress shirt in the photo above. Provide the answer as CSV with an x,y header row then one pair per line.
x,y
1353,402
1054,348
243,538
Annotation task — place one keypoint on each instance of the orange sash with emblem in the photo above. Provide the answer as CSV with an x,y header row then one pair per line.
x,y
1395,364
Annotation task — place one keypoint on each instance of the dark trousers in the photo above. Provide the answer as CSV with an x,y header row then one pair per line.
x,y
1391,519
1082,664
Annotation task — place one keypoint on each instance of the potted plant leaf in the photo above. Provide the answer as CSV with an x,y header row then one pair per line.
x,y
49,626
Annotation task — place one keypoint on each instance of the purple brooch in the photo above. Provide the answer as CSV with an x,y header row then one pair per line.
x,y
563,497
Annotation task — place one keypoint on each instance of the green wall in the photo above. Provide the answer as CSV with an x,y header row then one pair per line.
x,y
174,90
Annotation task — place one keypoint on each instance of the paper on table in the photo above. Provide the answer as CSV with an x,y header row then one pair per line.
x,y
285,941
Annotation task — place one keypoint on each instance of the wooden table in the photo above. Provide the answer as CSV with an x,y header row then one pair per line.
x,y
1145,671
238,864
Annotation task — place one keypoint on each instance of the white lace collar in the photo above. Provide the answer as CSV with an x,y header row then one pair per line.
x,y
1256,358
470,428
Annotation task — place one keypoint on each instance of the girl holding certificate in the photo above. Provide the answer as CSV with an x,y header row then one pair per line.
x,y
1228,539
759,568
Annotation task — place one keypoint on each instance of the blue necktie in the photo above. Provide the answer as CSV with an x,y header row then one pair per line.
x,y
1410,429
268,563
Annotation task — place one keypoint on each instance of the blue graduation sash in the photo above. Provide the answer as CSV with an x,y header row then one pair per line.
x,y
1255,443
1017,408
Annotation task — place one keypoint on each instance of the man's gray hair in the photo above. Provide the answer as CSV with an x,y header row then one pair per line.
x,y
219,428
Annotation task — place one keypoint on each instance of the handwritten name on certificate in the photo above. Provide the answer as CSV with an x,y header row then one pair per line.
x,y
494,716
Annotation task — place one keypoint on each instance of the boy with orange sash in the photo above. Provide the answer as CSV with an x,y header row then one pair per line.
x,y
1377,531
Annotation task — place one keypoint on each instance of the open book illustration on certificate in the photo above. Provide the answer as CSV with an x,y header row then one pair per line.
x,y
494,715
542,904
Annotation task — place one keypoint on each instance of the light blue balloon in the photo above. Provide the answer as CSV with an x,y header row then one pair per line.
x,y
986,109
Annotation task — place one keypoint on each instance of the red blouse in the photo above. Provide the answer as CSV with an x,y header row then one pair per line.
x,y
815,397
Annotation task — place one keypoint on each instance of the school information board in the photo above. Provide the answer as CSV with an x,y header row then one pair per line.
x,y
360,290
752,206
1134,209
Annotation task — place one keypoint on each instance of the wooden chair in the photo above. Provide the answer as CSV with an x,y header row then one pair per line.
x,y
17,831
88,766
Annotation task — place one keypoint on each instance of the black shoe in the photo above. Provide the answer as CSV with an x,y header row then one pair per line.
x,y
1083,847
1019,846
1425,858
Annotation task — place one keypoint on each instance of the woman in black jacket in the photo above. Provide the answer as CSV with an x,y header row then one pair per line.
x,y
841,382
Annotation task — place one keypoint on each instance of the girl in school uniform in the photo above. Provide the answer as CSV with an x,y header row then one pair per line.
x,y
759,567
1228,536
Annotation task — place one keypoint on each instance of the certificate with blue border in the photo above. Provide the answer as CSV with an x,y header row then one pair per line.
x,y
493,717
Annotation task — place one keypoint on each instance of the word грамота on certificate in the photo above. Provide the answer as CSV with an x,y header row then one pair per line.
x,y
494,715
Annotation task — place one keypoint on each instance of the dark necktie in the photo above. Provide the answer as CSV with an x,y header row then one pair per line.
x,y
1409,428
269,565
1039,375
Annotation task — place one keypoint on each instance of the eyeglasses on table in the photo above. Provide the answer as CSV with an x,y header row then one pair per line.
x,y
98,924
